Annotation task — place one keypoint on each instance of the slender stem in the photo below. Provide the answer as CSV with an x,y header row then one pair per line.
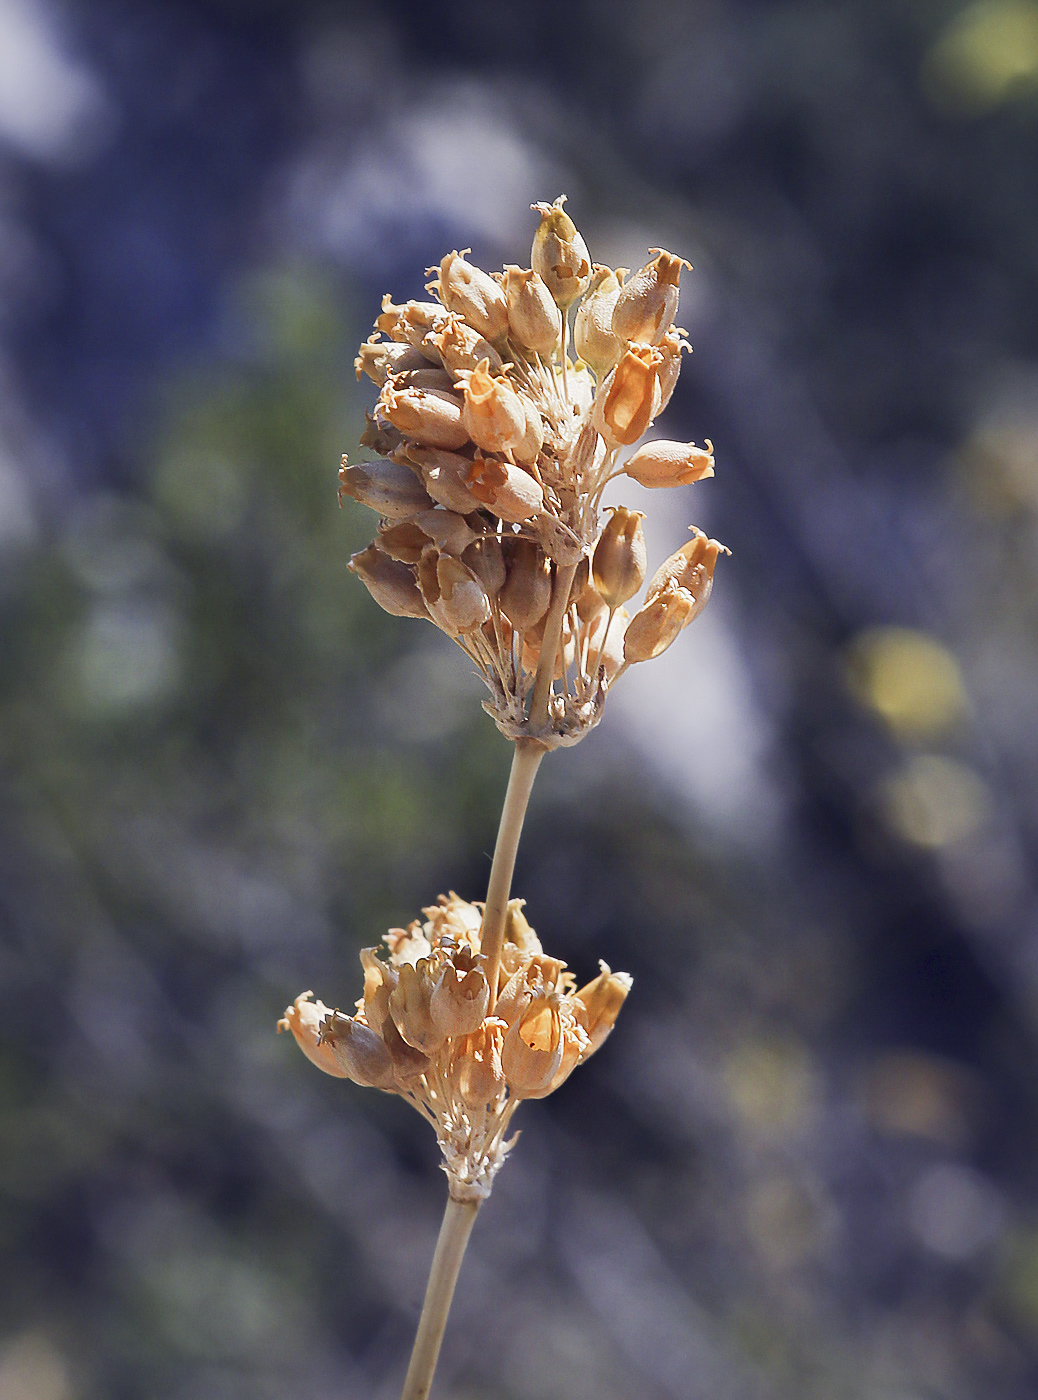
x,y
538,718
525,763
458,1219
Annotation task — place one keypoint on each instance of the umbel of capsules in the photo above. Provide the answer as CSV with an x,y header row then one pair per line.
x,y
506,405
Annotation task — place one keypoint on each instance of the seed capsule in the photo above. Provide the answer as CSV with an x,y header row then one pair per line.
x,y
691,568
388,487
470,293
602,1000
532,1051
527,592
534,320
670,463
444,474
493,413
593,333
390,583
379,359
511,493
452,592
648,302
303,1018
478,1073
431,416
409,1006
620,560
628,399
559,255
487,561
459,1001
359,1052
653,628
460,346
448,530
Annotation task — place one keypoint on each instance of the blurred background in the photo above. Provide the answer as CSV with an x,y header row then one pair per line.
x,y
805,1165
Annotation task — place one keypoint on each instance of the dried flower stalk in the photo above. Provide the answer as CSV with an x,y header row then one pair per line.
x,y
494,447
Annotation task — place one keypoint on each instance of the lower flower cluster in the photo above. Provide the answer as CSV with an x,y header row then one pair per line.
x,y
430,1028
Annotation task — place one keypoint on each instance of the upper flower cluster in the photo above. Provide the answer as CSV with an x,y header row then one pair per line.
x,y
496,447
427,1028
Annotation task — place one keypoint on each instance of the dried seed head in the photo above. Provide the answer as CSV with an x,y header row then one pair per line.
x,y
303,1018
493,413
531,1054
534,319
527,592
359,1052
509,491
388,487
670,463
470,293
602,1000
559,255
390,583
648,301
628,399
655,626
620,560
593,333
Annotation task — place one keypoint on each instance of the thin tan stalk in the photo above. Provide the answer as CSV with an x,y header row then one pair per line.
x,y
527,759
458,1219
538,717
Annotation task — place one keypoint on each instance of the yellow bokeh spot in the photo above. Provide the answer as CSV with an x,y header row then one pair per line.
x,y
908,678
987,55
934,801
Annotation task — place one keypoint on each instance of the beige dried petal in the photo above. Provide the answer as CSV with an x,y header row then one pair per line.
x,y
602,1000
510,492
648,300
629,396
379,359
670,463
477,1070
620,559
303,1018
359,1052
431,416
471,293
657,625
462,605
449,531
559,255
389,487
493,413
459,1001
593,325
409,1006
534,319
531,1054
461,347
525,597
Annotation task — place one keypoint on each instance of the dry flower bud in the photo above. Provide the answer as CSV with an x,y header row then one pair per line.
x,y
461,347
533,1045
628,399
602,1001
653,628
388,487
459,1001
493,413
303,1018
390,583
593,335
359,1052
432,416
620,560
648,301
379,359
409,1006
527,592
471,293
559,255
479,1076
487,561
509,491
671,463
534,320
